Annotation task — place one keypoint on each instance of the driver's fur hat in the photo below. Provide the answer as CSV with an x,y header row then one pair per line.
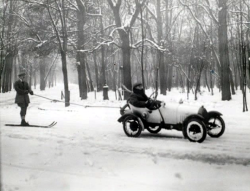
x,y
21,74
136,84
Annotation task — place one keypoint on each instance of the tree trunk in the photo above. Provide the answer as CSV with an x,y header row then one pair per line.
x,y
124,36
7,73
82,78
160,55
206,81
170,76
81,57
103,64
30,73
103,67
223,50
65,78
142,52
42,73
6,66
231,82
90,78
96,72
188,79
15,69
126,64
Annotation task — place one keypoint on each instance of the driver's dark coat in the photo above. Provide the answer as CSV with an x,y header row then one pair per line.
x,y
21,95
138,100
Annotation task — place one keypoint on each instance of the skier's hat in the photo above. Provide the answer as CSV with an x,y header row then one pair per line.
x,y
21,74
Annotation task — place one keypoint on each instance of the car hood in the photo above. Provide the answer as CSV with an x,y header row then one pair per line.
x,y
187,109
176,113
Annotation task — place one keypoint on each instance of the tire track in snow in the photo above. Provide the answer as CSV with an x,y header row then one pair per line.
x,y
206,156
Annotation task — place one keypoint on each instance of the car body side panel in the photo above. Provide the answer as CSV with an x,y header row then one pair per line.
x,y
154,117
151,116
173,113
169,113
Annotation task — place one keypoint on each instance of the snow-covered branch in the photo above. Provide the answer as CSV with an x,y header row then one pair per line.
x,y
156,46
106,43
117,28
94,15
29,39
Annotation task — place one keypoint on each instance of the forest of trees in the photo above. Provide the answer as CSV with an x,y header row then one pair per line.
x,y
186,44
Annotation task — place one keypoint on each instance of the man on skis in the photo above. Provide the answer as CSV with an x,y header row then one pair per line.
x,y
22,98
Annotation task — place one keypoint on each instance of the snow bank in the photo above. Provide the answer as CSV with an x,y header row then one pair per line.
x,y
88,150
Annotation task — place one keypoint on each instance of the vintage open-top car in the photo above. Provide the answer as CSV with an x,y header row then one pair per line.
x,y
194,122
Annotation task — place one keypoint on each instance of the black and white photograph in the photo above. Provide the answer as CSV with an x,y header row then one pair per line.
x,y
124,95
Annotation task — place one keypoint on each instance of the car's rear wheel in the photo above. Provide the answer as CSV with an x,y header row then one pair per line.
x,y
215,127
195,130
154,130
132,126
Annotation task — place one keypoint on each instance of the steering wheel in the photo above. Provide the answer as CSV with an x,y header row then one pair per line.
x,y
154,104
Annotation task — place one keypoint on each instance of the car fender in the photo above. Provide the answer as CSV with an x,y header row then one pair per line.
x,y
193,116
214,113
121,119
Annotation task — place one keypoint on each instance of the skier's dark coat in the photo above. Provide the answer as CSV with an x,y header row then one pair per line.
x,y
22,90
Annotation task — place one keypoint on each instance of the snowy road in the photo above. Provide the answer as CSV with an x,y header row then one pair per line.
x,y
88,150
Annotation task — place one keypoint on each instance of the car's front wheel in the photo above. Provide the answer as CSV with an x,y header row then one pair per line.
x,y
216,126
132,126
195,130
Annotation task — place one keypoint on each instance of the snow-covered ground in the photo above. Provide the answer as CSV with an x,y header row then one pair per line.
x,y
88,150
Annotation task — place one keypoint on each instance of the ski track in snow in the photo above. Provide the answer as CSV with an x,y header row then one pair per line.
x,y
88,150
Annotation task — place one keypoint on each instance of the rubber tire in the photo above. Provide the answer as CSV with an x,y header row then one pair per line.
x,y
154,131
201,124
222,128
139,126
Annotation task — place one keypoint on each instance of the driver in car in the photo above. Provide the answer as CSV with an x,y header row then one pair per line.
x,y
139,99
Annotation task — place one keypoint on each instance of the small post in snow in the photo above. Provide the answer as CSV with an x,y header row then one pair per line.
x,y
62,95
95,93
105,92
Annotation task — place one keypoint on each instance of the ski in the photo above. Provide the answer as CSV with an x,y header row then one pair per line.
x,y
39,126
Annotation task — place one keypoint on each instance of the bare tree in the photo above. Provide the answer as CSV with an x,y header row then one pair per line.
x,y
124,31
9,46
62,38
81,56
223,50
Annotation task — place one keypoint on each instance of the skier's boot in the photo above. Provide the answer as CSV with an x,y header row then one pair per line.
x,y
24,123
